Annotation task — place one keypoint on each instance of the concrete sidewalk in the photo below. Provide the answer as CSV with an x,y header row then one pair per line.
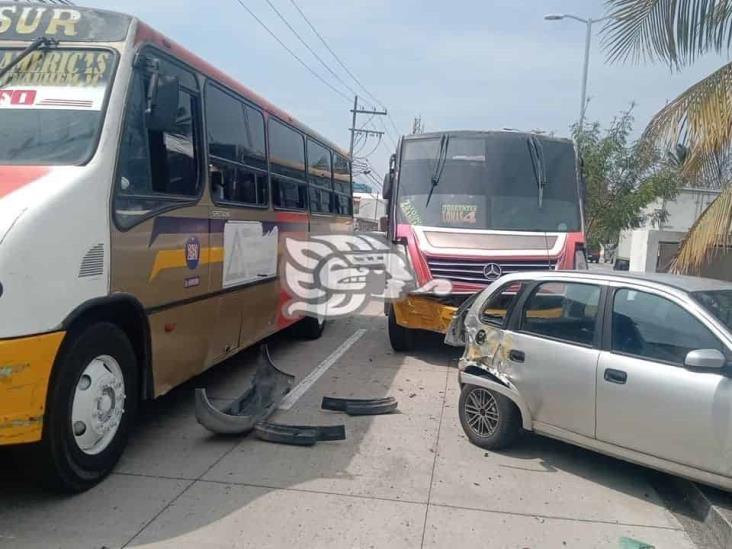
x,y
405,480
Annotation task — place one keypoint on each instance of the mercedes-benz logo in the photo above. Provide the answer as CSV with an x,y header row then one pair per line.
x,y
492,271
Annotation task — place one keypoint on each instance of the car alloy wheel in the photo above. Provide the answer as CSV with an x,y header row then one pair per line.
x,y
481,412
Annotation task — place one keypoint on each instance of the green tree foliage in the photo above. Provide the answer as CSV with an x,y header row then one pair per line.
x,y
623,178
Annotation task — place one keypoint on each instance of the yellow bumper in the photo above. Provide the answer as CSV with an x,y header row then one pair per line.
x,y
25,368
424,313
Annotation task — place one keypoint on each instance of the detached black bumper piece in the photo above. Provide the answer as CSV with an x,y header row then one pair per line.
x,y
267,389
298,435
360,406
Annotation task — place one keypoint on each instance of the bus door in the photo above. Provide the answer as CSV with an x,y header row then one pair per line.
x,y
160,239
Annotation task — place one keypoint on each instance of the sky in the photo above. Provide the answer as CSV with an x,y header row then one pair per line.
x,y
464,64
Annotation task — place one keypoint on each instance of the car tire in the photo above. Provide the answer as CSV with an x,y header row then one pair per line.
x,y
310,328
400,338
95,373
497,426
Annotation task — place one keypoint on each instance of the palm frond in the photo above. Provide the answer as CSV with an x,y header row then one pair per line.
x,y
709,234
673,31
701,119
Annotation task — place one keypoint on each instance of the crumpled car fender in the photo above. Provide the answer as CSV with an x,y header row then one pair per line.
x,y
491,379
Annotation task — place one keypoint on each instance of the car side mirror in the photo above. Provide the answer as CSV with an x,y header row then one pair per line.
x,y
163,97
709,359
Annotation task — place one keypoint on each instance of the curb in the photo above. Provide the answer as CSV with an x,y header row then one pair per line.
x,y
716,523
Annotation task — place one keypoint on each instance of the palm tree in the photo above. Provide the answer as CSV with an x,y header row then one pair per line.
x,y
677,32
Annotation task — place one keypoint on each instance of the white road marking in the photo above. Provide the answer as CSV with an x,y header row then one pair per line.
x,y
294,395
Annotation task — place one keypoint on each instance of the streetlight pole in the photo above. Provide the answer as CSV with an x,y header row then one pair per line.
x,y
586,65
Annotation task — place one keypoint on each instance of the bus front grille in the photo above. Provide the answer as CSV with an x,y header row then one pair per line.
x,y
482,271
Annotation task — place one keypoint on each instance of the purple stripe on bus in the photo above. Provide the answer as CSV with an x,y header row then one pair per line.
x,y
185,225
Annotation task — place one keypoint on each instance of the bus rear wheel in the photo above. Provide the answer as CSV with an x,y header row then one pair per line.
x,y
401,338
310,327
91,405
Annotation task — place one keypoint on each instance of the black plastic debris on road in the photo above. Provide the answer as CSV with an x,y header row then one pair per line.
x,y
298,435
360,406
257,403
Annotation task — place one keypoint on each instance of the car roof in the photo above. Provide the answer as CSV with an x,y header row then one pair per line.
x,y
686,284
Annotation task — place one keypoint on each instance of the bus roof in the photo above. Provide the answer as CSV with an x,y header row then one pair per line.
x,y
476,133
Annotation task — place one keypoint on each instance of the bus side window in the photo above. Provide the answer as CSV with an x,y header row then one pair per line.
x,y
320,178
237,155
287,160
342,184
155,168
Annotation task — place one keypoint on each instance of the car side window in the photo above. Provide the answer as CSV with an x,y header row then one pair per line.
x,y
653,327
562,310
499,305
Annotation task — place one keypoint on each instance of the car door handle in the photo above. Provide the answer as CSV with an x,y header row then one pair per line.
x,y
516,356
616,376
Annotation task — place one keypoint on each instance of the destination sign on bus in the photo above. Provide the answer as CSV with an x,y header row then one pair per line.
x,y
57,79
25,23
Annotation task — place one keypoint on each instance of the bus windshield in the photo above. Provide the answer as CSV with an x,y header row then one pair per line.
x,y
51,105
489,181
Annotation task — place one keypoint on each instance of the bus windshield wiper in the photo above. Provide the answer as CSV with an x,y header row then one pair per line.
x,y
439,166
38,43
536,153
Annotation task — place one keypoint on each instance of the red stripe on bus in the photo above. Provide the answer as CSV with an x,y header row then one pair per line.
x,y
13,178
292,217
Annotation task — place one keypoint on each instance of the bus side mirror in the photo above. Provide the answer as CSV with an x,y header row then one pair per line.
x,y
163,97
388,184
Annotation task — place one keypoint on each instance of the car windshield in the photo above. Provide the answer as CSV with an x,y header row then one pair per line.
x,y
719,303
489,181
52,104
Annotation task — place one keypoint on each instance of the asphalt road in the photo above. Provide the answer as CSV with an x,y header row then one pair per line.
x,y
405,480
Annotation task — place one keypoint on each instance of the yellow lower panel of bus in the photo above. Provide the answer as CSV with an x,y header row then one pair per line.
x,y
424,313
25,368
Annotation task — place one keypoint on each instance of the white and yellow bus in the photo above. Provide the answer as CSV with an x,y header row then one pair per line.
x,y
144,196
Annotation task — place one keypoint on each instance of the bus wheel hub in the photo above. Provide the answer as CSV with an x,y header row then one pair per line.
x,y
98,405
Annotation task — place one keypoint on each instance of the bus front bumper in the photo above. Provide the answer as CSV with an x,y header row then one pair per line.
x,y
25,370
421,312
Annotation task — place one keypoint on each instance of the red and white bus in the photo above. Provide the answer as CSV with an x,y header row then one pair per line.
x,y
469,206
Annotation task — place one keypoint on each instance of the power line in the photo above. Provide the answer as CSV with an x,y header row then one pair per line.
x,y
335,56
311,50
345,67
374,149
292,53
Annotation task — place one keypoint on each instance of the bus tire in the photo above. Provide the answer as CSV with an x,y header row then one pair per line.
x,y
401,338
310,328
93,396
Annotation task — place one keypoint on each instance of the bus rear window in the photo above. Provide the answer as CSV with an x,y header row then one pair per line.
x,y
52,105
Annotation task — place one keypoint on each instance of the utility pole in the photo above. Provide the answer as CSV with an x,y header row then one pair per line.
x,y
360,131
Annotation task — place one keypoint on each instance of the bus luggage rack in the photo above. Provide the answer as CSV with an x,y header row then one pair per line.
x,y
482,271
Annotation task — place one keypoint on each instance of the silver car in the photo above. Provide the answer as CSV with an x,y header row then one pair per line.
x,y
638,367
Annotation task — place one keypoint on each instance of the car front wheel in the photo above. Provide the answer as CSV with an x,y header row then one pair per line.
x,y
489,419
